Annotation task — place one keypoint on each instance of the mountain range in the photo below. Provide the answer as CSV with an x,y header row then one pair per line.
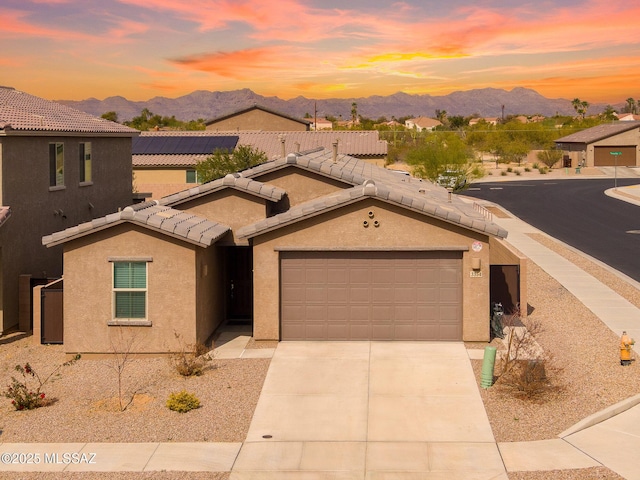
x,y
202,104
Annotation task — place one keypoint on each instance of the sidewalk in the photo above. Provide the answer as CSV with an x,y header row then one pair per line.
x,y
610,437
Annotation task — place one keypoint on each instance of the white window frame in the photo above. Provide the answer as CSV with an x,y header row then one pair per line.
x,y
86,174
56,162
125,320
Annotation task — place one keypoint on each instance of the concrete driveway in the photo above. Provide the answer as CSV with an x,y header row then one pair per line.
x,y
374,410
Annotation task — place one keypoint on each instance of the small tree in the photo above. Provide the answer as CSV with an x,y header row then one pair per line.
x,y
443,154
111,116
550,157
122,351
223,162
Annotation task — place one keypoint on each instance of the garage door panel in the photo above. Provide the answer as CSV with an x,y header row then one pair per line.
x,y
338,312
359,294
381,295
337,276
317,313
372,295
404,295
360,331
381,314
338,295
382,332
359,313
448,295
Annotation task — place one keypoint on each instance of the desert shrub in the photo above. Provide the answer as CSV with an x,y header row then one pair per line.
x,y
191,359
517,172
525,369
542,170
550,157
527,169
182,402
509,169
503,173
27,394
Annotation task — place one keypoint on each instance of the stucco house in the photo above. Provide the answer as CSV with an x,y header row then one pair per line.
x,y
58,167
165,162
258,118
609,144
422,124
320,246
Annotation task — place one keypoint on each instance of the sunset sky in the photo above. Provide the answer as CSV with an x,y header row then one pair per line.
x,y
139,49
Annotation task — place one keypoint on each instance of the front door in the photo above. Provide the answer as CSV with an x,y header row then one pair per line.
x,y
239,280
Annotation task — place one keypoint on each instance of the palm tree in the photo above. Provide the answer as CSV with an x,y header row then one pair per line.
x,y
580,107
632,106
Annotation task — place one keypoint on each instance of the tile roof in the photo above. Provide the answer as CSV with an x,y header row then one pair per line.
x,y
374,182
235,181
175,223
347,169
258,107
354,143
5,213
20,111
599,132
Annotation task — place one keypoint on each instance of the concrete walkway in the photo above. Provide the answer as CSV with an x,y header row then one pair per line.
x,y
356,410
611,437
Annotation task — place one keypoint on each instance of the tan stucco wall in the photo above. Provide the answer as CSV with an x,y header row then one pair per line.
x,y
172,284
210,292
300,185
399,229
258,120
160,182
229,207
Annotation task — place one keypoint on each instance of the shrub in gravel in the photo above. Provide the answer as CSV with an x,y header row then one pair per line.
x,y
182,402
191,360
27,394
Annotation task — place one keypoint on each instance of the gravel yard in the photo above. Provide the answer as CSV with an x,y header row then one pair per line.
x,y
84,404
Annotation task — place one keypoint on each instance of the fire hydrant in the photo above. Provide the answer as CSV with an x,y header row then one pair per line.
x,y
626,342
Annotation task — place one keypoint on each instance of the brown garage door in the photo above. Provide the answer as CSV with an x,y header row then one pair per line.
x,y
602,156
371,295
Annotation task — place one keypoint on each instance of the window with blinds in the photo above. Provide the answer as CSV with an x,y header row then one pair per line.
x,y
130,290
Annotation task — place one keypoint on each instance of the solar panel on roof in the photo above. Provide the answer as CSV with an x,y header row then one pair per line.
x,y
176,145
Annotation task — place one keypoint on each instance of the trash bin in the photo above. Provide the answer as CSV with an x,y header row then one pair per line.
x,y
577,169
497,313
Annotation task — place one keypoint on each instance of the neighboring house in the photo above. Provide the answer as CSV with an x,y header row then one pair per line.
x,y
59,167
320,246
162,169
422,124
529,119
489,120
321,124
165,164
628,117
604,145
257,118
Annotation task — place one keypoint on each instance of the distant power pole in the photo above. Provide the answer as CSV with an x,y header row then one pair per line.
x,y
503,113
315,116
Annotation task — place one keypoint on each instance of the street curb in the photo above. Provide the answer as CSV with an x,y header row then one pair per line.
x,y
620,194
602,415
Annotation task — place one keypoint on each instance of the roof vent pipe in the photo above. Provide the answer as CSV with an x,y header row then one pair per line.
x,y
297,146
335,151
282,142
